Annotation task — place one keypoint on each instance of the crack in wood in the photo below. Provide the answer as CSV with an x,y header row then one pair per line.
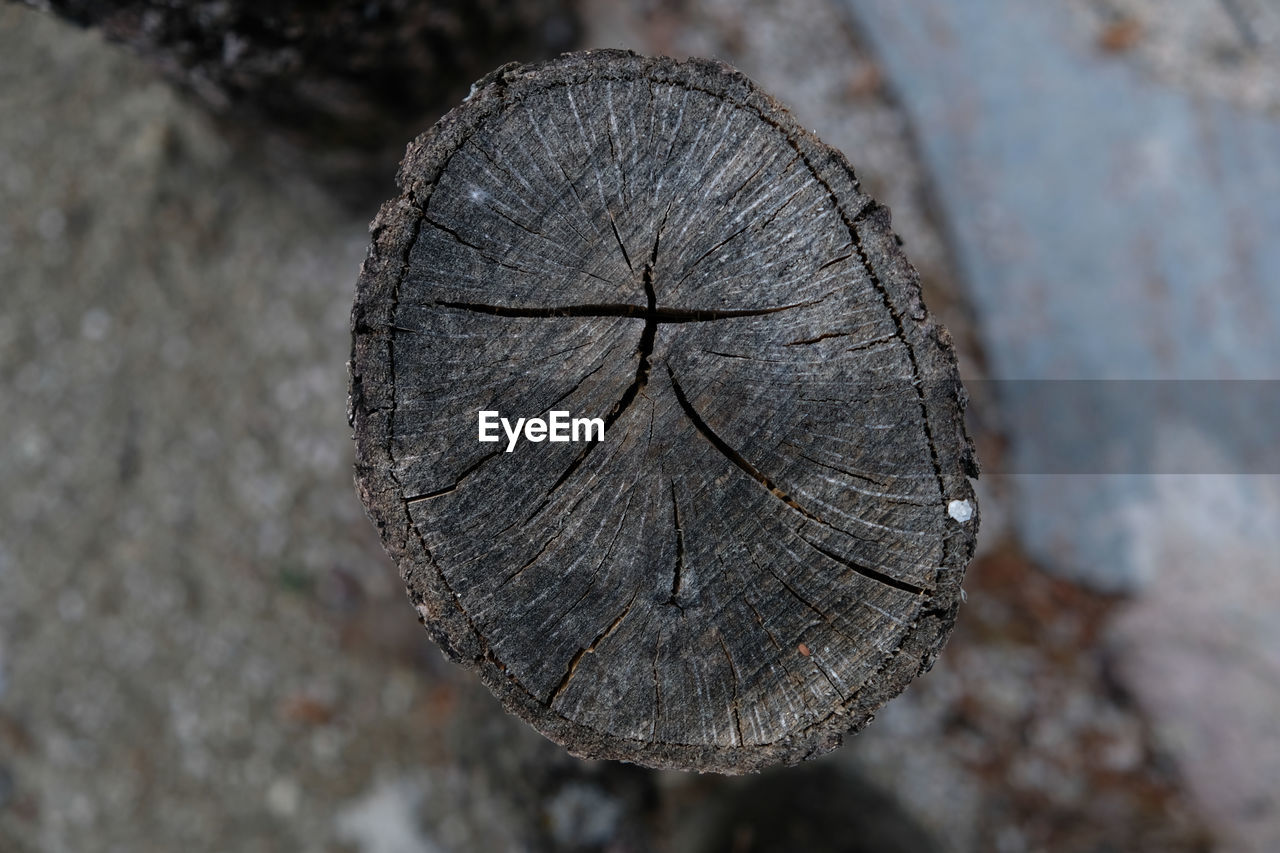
x,y
657,688
644,312
476,465
617,236
647,338
813,661
866,571
470,469
795,593
644,349
858,347
479,250
531,560
733,455
801,693
582,652
613,543
888,496
835,261
823,337
751,223
733,670
676,575
849,472
851,223
760,477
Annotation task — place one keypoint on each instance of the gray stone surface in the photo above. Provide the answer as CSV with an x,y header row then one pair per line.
x,y
1201,649
1227,49
1108,228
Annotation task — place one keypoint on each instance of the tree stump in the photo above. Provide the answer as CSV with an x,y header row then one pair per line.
x,y
768,543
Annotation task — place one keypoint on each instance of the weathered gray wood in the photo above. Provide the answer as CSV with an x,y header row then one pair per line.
x,y
760,553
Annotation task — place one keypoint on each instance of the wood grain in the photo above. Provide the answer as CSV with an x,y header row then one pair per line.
x,y
759,554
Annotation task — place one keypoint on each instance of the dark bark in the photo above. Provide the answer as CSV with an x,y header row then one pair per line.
x,y
345,81
769,542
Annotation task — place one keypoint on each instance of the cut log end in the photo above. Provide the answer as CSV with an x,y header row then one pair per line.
x,y
768,543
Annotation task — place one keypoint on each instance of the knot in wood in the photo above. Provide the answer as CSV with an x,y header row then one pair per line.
x,y
759,552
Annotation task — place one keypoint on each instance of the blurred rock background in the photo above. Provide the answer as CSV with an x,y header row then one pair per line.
x,y
202,646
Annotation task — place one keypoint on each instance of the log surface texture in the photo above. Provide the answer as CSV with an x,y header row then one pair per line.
x,y
768,544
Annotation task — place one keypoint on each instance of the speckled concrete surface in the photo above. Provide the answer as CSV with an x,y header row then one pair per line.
x,y
1228,49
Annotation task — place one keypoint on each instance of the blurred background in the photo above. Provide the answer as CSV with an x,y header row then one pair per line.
x,y
202,644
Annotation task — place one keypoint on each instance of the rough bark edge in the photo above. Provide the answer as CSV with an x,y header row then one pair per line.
x,y
371,403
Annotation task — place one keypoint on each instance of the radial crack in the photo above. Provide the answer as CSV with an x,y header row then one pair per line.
x,y
733,455
676,578
644,349
588,310
867,571
648,312
577,658
755,473
823,337
617,236
478,249
734,702
456,483
657,686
